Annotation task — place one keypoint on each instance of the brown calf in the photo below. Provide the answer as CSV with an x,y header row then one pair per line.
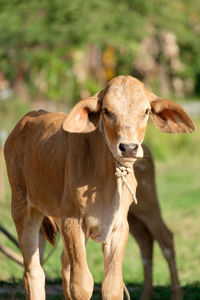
x,y
64,167
145,224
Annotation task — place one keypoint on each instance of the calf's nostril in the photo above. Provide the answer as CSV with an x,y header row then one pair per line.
x,y
122,147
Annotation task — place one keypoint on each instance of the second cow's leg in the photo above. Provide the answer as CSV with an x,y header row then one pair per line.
x,y
145,241
81,281
113,250
165,239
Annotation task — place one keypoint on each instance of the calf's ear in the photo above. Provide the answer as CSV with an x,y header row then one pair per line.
x,y
84,116
169,117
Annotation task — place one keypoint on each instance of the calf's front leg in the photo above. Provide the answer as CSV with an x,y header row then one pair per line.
x,y
113,250
81,284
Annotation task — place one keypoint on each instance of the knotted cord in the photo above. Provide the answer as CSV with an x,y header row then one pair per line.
x,y
122,172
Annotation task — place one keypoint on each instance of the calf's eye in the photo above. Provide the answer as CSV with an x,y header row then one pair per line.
x,y
146,113
109,115
106,112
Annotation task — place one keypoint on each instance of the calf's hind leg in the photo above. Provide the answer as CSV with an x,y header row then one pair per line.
x,y
28,222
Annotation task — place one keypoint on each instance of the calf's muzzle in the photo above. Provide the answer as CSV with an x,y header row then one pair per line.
x,y
128,150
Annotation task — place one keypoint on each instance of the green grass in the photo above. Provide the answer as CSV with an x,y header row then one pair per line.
x,y
178,183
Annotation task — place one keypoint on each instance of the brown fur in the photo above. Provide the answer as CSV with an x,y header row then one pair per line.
x,y
63,166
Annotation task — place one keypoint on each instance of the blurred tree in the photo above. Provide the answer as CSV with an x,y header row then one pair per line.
x,y
40,38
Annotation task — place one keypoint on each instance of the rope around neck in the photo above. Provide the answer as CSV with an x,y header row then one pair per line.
x,y
121,172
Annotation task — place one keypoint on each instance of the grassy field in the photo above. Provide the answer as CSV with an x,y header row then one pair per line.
x,y
178,184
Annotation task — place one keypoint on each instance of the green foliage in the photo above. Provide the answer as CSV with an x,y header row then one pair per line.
x,y
11,112
42,35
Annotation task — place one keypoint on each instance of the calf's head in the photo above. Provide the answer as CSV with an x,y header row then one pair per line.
x,y
121,111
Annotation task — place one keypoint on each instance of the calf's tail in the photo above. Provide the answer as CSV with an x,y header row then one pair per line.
x,y
49,229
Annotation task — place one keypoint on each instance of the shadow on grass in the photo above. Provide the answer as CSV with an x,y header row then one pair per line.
x,y
54,291
191,292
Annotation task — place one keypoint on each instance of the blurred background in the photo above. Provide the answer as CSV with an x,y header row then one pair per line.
x,y
53,53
